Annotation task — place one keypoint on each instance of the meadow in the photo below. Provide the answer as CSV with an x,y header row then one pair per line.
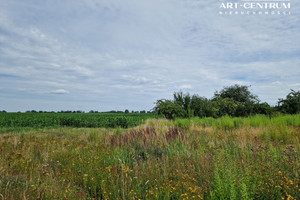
x,y
226,158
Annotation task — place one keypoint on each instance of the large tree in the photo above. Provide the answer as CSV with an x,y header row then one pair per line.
x,y
202,106
291,104
239,93
169,109
236,100
184,100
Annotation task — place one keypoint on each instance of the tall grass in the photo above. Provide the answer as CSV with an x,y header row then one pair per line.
x,y
226,158
229,123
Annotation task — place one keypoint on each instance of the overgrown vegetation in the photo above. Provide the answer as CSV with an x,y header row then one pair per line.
x,y
231,146
226,158
235,101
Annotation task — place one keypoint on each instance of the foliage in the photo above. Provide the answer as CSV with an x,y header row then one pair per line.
x,y
250,108
236,100
169,109
263,108
239,93
291,104
202,106
224,106
184,100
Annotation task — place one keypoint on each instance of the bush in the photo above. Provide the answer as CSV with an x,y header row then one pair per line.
x,y
226,106
169,109
291,104
201,106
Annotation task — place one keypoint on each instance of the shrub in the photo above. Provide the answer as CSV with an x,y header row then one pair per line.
x,y
291,104
169,109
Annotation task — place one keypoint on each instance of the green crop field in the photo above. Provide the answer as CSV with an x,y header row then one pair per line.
x,y
226,158
89,120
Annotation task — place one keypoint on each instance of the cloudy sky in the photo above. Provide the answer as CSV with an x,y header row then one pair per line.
x,y
126,54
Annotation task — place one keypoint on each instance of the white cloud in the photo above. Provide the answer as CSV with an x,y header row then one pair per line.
x,y
185,87
276,83
142,51
59,91
294,85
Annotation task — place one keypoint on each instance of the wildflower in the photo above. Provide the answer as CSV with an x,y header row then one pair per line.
x,y
289,197
125,169
131,192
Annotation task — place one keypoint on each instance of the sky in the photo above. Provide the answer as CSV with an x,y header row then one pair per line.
x,y
126,54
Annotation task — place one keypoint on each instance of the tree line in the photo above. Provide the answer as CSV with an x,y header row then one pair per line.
x,y
80,111
235,100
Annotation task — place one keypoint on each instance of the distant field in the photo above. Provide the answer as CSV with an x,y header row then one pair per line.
x,y
225,158
79,120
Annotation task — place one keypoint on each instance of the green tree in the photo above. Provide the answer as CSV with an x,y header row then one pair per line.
x,y
241,102
169,109
239,93
291,104
184,100
202,106
224,106
263,108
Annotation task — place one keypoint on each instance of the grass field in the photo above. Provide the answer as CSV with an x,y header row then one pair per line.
x,y
225,158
